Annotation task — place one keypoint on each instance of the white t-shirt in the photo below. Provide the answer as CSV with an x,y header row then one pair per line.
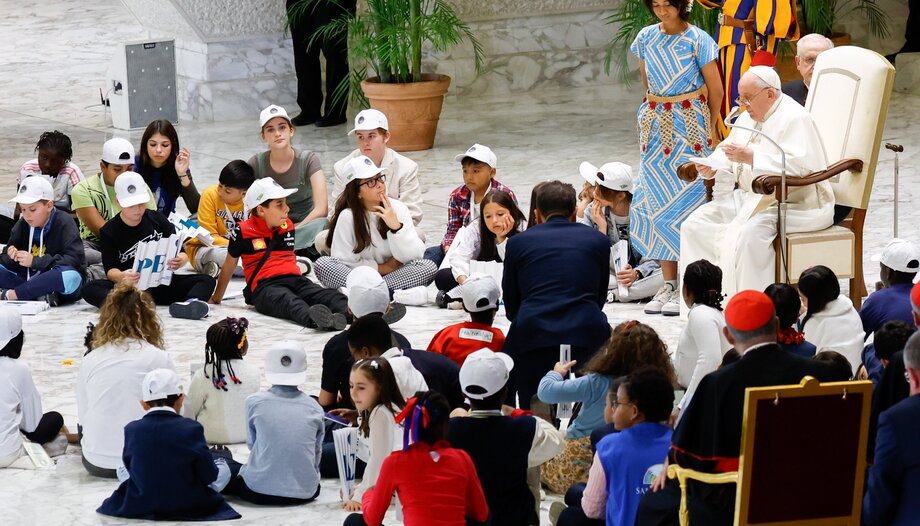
x,y
700,348
109,396
20,404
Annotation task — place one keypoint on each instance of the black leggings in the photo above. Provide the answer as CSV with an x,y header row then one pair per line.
x,y
48,427
182,287
573,515
444,279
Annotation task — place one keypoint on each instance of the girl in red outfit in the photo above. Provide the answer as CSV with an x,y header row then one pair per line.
x,y
437,485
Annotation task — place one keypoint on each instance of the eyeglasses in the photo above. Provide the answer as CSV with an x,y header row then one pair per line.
x,y
808,60
617,403
747,102
373,182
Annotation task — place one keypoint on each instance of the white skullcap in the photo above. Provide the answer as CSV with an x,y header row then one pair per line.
x,y
766,74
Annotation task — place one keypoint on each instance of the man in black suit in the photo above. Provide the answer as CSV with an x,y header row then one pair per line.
x,y
708,437
554,285
807,50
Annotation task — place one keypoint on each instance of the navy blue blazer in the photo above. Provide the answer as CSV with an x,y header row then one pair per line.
x,y
555,284
894,480
170,467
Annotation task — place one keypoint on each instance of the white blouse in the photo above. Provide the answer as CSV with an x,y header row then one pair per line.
x,y
404,245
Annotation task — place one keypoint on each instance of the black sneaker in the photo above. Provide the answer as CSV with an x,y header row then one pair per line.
x,y
189,310
304,119
395,313
329,121
53,299
442,299
326,320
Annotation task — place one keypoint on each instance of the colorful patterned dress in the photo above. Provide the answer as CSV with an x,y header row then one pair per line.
x,y
673,125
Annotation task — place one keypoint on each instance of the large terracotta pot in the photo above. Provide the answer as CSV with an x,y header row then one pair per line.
x,y
412,109
785,66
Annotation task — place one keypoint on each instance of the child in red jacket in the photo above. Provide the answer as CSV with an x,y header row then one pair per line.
x,y
437,485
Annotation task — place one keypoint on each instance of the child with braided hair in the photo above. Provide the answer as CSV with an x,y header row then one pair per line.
x,y
217,394
437,484
702,342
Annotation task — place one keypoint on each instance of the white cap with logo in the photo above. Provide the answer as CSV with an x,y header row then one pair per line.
x,y
264,189
367,120
480,292
367,292
479,152
10,325
270,113
360,167
286,364
615,176
160,383
130,189
484,373
118,151
900,255
34,188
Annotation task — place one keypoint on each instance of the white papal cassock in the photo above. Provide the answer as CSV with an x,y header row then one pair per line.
x,y
736,231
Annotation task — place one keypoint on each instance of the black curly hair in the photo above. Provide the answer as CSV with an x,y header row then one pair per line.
x,y
57,142
703,281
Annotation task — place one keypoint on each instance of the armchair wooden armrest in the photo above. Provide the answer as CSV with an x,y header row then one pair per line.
x,y
684,474
770,184
687,172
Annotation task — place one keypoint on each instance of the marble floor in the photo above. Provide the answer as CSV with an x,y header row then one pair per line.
x,y
50,80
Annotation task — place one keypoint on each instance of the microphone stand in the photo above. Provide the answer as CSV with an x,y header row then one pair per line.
x,y
781,210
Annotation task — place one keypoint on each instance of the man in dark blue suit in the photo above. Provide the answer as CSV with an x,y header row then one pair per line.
x,y
554,285
168,472
894,479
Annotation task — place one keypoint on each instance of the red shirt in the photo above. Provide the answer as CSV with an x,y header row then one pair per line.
x,y
252,237
458,341
432,493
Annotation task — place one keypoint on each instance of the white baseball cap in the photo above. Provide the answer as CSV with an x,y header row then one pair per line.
x,y
480,292
34,188
264,189
130,189
10,325
118,151
367,292
480,153
900,255
286,364
160,383
615,176
484,373
371,119
360,167
270,113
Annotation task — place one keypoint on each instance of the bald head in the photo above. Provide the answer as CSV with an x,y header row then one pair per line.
x,y
807,50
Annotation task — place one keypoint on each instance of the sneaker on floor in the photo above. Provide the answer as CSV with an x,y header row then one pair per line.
x,y
416,296
672,306
189,310
210,268
455,305
326,320
661,297
395,313
555,510
441,300
56,447
305,265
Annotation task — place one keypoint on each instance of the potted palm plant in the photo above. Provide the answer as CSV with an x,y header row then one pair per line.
x,y
386,39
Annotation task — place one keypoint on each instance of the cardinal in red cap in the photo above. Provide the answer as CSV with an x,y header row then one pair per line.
x,y
749,310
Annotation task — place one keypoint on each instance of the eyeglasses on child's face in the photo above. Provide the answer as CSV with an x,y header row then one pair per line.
x,y
374,181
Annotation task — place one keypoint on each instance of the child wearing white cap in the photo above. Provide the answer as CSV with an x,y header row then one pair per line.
x,y
480,298
274,284
167,472
94,200
899,264
44,256
502,442
372,134
285,436
608,213
478,164
295,169
370,229
186,294
20,403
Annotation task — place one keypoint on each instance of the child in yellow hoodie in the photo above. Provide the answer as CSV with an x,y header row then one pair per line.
x,y
221,207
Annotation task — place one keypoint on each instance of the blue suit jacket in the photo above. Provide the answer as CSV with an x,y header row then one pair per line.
x,y
555,284
894,480
170,467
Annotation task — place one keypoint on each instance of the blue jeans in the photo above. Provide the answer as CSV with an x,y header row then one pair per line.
x,y
435,253
64,280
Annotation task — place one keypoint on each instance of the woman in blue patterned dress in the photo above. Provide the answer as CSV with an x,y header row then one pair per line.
x,y
675,122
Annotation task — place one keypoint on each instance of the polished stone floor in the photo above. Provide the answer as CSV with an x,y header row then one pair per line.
x,y
50,80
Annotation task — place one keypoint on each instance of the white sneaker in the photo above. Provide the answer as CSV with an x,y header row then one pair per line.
x,y
672,306
210,268
416,296
56,447
305,265
662,297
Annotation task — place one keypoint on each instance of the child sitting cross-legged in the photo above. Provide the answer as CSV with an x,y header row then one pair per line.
x,y
627,462
436,484
218,392
44,257
480,298
167,472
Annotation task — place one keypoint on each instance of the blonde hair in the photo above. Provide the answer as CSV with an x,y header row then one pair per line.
x,y
128,314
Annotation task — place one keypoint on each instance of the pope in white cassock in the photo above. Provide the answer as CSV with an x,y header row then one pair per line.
x,y
736,231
